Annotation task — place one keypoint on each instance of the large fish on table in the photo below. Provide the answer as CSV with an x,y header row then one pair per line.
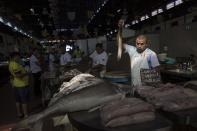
x,y
76,83
84,99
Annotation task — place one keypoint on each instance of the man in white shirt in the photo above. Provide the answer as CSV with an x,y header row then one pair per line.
x,y
141,57
65,58
51,61
35,68
99,59
34,62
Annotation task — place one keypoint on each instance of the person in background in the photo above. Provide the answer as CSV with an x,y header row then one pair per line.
x,y
65,58
77,54
20,84
141,57
36,71
51,60
99,60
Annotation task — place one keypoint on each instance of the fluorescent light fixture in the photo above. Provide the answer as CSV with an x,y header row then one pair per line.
x,y
118,10
142,18
16,28
154,13
127,25
160,10
9,24
147,17
170,5
1,20
178,2
31,9
111,32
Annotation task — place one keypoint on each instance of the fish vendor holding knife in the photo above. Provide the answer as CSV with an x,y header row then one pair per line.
x,y
141,57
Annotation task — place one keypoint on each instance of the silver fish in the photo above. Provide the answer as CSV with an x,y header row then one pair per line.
x,y
119,37
69,74
119,40
76,83
80,100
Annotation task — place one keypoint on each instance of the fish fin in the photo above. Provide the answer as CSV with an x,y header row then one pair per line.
x,y
123,96
29,121
37,126
190,82
94,108
60,120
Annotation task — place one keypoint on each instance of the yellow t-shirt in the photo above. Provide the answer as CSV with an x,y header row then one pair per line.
x,y
77,53
19,82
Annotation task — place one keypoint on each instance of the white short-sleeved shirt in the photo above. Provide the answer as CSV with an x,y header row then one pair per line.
x,y
34,67
51,62
99,58
144,60
65,58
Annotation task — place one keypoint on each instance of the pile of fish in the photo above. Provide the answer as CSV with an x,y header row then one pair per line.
x,y
84,98
191,85
169,97
126,111
69,74
76,83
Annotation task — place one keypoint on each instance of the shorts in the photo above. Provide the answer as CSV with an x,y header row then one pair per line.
x,y
22,95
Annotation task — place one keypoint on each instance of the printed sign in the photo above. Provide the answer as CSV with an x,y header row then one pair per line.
x,y
150,76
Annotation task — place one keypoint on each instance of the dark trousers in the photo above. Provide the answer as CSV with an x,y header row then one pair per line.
x,y
37,83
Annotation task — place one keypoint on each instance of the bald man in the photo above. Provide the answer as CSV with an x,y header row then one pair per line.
x,y
141,57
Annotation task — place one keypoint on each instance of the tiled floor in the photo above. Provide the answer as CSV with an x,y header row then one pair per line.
x,y
8,110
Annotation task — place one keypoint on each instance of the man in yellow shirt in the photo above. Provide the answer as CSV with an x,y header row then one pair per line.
x,y
20,83
77,54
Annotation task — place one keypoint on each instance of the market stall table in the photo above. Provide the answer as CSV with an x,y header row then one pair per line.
x,y
177,75
183,117
91,121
